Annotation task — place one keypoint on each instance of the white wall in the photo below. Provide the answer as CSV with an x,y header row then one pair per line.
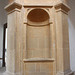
x,y
71,21
1,42
3,20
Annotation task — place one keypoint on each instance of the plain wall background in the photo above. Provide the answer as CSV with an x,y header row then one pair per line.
x,y
71,21
3,20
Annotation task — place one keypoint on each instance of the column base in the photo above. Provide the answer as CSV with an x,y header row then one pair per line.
x,y
69,72
9,73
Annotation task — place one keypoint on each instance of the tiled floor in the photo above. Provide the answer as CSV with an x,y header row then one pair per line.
x,y
2,70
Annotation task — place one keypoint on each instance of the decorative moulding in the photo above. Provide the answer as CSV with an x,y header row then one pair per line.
x,y
12,6
36,6
10,73
62,7
68,72
39,60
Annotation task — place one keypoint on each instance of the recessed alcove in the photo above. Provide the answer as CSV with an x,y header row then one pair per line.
x,y
38,15
38,34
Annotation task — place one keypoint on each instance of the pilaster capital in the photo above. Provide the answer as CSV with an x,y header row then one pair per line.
x,y
62,7
14,5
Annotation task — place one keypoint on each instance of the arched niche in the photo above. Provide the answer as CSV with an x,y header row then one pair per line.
x,y
38,34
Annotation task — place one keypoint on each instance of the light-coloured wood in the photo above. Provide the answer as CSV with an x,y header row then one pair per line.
x,y
38,41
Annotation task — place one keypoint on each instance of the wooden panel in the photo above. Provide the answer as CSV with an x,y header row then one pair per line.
x,y
38,41
38,68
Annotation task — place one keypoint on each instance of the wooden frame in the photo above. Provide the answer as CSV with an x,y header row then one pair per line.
x,y
4,35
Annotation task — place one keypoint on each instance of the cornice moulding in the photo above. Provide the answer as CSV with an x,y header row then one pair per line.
x,y
62,6
12,6
31,6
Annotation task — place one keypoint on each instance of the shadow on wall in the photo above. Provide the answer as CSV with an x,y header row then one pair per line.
x,y
3,20
71,21
71,3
